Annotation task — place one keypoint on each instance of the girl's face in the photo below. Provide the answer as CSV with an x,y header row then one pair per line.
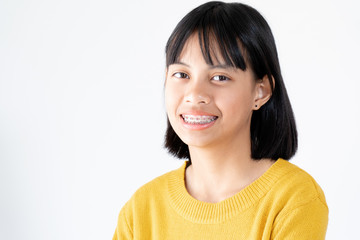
x,y
210,105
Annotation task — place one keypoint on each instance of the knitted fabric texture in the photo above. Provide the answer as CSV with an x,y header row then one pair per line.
x,y
284,203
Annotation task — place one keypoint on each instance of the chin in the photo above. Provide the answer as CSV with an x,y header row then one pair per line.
x,y
198,142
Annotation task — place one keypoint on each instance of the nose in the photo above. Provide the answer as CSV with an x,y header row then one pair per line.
x,y
197,93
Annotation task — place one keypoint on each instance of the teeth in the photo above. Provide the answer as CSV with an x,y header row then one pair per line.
x,y
198,119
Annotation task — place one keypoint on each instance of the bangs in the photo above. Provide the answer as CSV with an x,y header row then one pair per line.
x,y
218,40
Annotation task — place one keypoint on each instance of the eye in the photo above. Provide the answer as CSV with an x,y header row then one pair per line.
x,y
180,75
220,78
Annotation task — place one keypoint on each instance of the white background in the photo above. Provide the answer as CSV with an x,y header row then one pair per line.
x,y
82,113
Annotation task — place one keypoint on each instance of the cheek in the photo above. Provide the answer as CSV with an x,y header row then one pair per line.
x,y
171,99
237,103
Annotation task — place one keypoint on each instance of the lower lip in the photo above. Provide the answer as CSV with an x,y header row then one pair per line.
x,y
197,126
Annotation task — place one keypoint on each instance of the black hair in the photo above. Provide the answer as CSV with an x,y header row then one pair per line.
x,y
245,40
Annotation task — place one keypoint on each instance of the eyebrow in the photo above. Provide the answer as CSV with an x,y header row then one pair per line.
x,y
223,66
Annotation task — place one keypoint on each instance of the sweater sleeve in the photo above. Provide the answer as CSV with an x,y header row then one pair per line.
x,y
307,221
123,231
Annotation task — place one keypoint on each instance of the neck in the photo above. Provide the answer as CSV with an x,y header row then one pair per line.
x,y
217,173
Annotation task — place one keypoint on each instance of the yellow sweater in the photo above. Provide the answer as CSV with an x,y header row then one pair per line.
x,y
284,203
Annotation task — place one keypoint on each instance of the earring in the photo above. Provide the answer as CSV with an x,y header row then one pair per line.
x,y
256,106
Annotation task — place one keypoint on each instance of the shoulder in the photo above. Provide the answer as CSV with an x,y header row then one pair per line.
x,y
296,194
300,205
146,202
298,185
155,191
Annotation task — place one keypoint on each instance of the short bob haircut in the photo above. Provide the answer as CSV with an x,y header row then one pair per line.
x,y
245,40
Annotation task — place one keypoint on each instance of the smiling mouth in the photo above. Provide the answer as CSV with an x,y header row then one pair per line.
x,y
198,119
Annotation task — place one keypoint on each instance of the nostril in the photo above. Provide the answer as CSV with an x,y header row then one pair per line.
x,y
197,96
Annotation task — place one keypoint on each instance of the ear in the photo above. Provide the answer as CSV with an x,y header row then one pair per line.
x,y
263,91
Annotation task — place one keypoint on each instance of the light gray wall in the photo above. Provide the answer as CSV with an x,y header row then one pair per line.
x,y
82,115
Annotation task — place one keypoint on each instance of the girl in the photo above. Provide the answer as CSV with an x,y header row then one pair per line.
x,y
229,115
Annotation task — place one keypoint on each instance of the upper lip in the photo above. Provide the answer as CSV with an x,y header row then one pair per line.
x,y
197,113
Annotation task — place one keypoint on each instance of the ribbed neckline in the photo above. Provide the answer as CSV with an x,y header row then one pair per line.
x,y
210,213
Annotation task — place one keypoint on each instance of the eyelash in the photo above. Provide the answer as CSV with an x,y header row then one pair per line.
x,y
221,78
182,75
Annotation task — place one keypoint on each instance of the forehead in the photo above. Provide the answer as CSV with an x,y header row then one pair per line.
x,y
209,49
216,46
